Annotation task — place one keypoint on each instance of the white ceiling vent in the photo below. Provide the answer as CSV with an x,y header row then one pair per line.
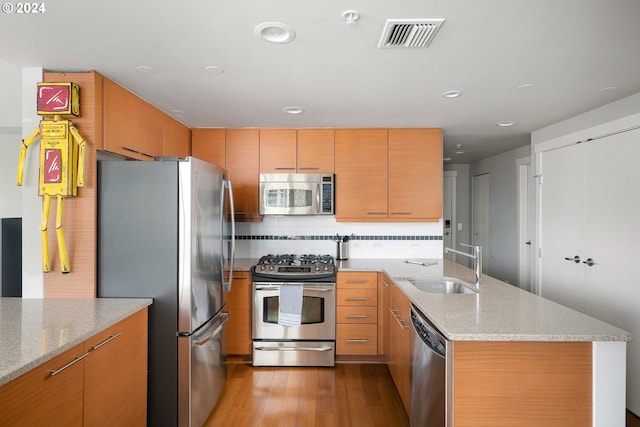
x,y
405,33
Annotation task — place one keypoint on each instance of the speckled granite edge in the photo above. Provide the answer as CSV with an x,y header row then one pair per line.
x,y
26,325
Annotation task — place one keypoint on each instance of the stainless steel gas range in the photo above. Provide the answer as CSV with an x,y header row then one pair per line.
x,y
294,310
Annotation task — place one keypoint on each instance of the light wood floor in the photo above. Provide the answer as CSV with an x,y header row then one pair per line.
x,y
349,395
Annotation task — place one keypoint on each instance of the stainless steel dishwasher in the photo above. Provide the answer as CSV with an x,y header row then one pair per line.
x,y
428,373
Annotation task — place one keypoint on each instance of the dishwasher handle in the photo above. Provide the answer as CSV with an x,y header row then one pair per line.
x,y
431,337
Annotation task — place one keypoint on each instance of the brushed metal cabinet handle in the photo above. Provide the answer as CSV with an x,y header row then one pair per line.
x,y
68,365
106,341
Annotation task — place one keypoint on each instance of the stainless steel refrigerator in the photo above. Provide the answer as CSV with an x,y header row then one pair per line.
x,y
163,234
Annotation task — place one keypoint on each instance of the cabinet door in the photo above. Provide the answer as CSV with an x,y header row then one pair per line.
x,y
400,345
361,174
415,174
209,145
39,399
316,150
238,334
384,304
175,138
115,389
242,158
277,150
151,130
121,120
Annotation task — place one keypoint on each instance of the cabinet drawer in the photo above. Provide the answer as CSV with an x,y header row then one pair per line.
x,y
359,339
357,297
357,280
350,314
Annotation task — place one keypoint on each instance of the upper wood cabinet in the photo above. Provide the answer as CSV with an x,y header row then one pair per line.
x,y
388,175
277,150
242,155
209,145
415,174
151,130
175,138
316,150
121,120
296,151
361,174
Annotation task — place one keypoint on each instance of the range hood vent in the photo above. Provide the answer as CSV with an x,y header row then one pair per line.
x,y
409,33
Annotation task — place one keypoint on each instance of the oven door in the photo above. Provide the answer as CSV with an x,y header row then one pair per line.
x,y
318,313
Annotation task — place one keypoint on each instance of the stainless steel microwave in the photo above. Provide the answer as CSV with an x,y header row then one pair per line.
x,y
296,194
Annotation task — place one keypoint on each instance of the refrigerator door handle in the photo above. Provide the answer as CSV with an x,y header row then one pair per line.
x,y
224,317
232,255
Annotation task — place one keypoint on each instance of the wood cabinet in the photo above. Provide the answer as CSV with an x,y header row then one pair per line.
x,y
175,138
102,381
518,383
209,145
151,130
238,330
392,175
296,151
242,155
115,374
361,174
415,174
316,151
39,399
278,150
121,120
384,304
399,359
357,313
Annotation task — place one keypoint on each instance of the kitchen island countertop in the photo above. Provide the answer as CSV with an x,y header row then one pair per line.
x,y
500,312
33,331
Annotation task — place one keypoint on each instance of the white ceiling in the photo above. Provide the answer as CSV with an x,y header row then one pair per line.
x,y
570,50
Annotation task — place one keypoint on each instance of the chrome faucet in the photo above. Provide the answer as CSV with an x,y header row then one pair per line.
x,y
476,257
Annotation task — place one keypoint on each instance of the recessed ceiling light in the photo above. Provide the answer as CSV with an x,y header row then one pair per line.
x,y
177,112
459,149
452,93
604,89
526,86
145,70
350,16
275,32
293,110
505,124
213,69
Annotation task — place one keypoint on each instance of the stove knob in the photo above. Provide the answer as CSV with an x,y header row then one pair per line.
x,y
271,268
317,268
326,268
263,268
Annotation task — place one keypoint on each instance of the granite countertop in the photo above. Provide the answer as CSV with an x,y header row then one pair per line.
x,y
500,312
33,331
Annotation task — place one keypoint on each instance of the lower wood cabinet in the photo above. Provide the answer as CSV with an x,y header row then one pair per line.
x,y
101,382
357,313
399,357
238,330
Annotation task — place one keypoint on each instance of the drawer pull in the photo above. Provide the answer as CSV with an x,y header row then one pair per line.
x,y
387,284
358,281
376,213
111,338
357,316
398,318
357,299
358,341
73,362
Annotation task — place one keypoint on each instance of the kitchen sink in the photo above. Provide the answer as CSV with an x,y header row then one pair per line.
x,y
444,285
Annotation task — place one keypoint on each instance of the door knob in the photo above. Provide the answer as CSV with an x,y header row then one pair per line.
x,y
575,259
589,262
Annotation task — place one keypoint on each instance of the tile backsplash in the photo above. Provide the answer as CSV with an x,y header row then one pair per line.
x,y
317,235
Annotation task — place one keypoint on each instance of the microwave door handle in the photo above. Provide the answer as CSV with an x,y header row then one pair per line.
x,y
318,199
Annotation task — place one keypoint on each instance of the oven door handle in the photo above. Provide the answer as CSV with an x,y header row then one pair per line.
x,y
275,288
323,348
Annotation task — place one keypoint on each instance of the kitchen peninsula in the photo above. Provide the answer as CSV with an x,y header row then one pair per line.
x,y
73,362
515,356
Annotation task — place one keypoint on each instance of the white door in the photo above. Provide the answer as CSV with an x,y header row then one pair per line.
x,y
480,217
562,226
612,221
524,223
449,211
